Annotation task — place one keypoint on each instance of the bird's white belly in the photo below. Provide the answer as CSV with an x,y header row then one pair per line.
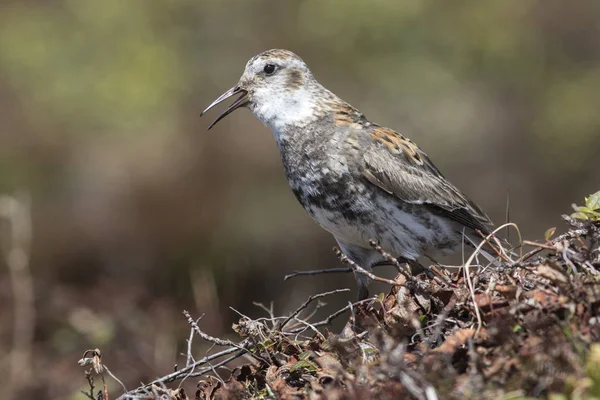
x,y
400,232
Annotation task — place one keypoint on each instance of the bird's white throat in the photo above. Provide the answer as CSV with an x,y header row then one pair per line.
x,y
283,109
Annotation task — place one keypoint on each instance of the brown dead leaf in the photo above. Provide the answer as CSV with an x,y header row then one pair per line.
x,y
484,300
288,347
454,341
276,379
207,389
346,348
282,390
329,364
500,366
445,295
271,375
389,301
232,390
410,358
531,346
508,291
592,293
543,297
401,308
553,274
166,393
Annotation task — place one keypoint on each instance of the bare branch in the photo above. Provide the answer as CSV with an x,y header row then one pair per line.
x,y
572,234
115,378
189,358
331,317
317,272
208,338
281,325
360,270
90,380
269,311
217,341
182,373
217,365
391,259
327,271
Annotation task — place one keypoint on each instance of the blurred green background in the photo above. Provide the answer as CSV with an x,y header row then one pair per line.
x,y
138,212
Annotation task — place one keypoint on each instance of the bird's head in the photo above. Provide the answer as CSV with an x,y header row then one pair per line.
x,y
277,87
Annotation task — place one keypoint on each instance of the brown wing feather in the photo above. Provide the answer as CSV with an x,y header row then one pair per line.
x,y
406,172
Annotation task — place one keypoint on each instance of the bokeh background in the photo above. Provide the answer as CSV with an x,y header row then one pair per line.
x,y
138,212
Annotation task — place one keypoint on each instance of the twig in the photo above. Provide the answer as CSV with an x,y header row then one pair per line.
x,y
185,371
306,318
316,309
297,311
115,378
439,322
501,255
217,341
309,325
534,244
189,357
410,385
331,317
208,338
430,393
217,365
572,234
507,219
327,271
95,360
269,311
468,264
90,380
239,313
104,387
590,269
213,369
358,269
391,259
317,272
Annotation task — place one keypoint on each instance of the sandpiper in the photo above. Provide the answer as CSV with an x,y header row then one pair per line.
x,y
358,180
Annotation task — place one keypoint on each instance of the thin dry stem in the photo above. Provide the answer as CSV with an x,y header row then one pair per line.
x,y
331,317
540,247
313,272
391,259
217,365
204,336
189,370
360,270
467,265
317,272
312,298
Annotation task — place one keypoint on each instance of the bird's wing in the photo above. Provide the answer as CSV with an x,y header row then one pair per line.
x,y
406,172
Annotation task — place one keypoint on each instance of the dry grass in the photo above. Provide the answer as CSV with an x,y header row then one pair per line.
x,y
521,330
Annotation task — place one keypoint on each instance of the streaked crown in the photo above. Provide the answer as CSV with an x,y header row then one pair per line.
x,y
280,90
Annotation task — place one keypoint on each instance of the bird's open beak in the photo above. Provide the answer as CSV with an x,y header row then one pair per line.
x,y
240,102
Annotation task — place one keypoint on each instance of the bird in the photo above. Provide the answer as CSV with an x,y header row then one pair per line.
x,y
358,180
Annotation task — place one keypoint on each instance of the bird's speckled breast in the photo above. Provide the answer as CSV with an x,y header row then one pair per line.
x,y
324,172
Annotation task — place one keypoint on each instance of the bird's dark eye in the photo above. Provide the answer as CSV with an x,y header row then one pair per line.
x,y
269,69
